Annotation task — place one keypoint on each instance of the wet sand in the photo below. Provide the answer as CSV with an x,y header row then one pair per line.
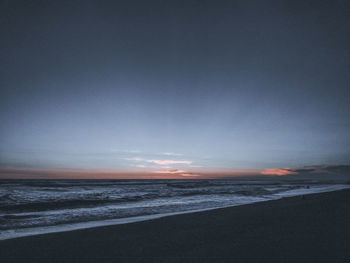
x,y
315,228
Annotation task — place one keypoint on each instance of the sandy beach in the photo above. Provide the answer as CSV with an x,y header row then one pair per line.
x,y
313,228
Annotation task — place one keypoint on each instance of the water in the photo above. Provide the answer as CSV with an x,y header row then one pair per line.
x,y
40,206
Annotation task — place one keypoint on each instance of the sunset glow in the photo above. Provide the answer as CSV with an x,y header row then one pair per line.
x,y
278,171
38,173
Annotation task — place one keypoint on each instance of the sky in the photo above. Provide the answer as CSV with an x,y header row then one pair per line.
x,y
174,87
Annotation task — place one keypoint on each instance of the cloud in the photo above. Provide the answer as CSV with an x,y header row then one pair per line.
x,y
172,154
305,170
330,169
190,175
336,173
159,162
278,171
169,162
337,169
177,172
140,165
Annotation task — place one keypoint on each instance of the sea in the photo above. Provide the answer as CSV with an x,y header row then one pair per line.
x,y
29,207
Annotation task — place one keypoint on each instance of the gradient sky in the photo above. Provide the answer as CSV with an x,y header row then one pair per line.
x,y
174,85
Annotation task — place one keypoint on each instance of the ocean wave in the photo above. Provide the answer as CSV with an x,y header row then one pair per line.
x,y
188,185
72,203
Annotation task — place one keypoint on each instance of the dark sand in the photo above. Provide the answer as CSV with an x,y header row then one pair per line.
x,y
314,229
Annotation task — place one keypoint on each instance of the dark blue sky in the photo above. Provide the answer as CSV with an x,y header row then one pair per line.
x,y
163,85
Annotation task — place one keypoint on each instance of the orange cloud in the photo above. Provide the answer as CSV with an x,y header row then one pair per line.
x,y
278,171
190,175
170,172
177,172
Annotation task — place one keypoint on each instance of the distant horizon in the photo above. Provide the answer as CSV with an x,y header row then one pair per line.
x,y
318,172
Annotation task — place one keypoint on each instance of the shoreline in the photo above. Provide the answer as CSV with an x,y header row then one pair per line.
x,y
25,232
315,228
